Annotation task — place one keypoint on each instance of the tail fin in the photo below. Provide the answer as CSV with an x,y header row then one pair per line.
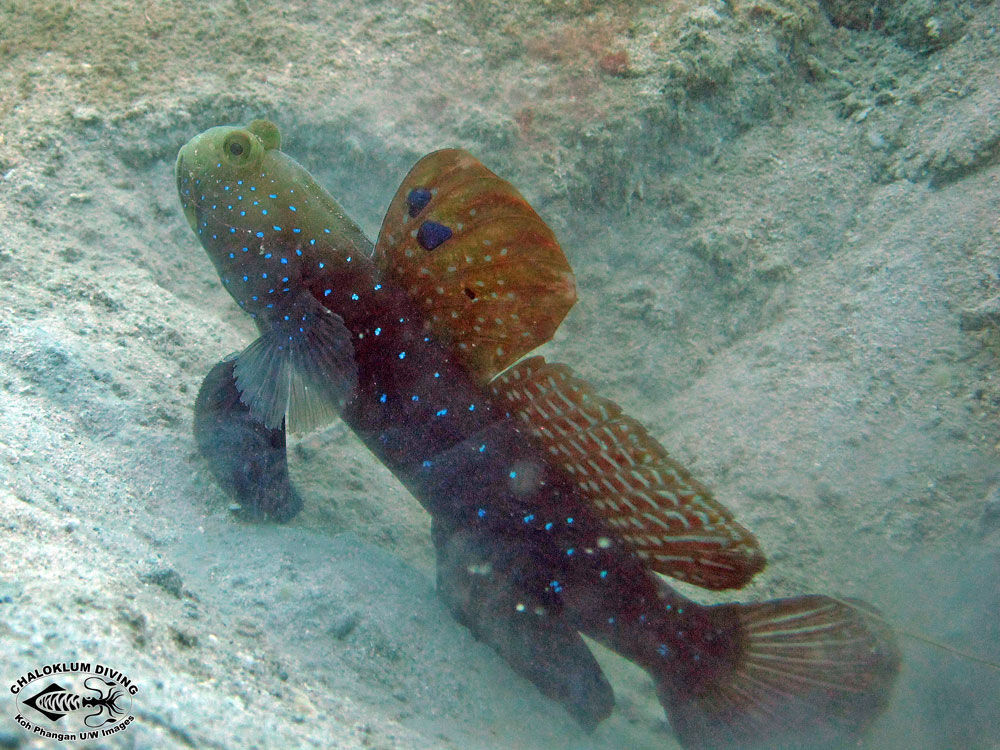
x,y
810,671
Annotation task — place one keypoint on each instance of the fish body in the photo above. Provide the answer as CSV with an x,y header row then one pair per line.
x,y
553,513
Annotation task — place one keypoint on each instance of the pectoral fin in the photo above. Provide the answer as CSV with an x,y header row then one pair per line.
x,y
301,369
477,580
247,458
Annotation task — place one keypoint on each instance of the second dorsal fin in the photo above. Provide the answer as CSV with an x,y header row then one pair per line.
x,y
668,518
485,269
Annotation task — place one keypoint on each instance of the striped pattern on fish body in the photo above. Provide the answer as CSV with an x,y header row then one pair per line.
x,y
553,512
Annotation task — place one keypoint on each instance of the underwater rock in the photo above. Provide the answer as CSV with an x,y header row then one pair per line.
x,y
860,15
167,579
985,316
921,25
925,25
990,519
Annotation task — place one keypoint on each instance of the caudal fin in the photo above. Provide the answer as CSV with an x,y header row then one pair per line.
x,y
810,672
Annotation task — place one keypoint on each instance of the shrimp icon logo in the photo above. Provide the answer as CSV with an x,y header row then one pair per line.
x,y
87,701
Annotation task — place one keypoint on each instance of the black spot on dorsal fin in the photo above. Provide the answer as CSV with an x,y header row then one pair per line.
x,y
417,200
432,235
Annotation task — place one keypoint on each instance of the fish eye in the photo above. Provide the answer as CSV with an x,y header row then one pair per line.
x,y
237,148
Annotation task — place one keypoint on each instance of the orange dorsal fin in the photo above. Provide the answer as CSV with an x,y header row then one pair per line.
x,y
669,519
487,272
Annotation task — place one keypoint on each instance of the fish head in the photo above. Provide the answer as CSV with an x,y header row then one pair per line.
x,y
263,221
219,159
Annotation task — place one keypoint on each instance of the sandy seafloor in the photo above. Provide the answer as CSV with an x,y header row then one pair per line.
x,y
784,218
